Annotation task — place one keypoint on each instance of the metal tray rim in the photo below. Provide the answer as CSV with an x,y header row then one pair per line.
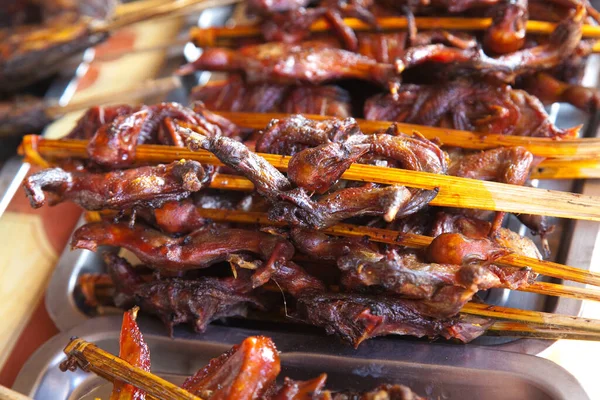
x,y
535,370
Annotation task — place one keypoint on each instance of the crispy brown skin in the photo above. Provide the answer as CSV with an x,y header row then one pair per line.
x,y
176,301
233,94
307,62
114,143
356,317
143,186
199,249
295,133
562,42
467,105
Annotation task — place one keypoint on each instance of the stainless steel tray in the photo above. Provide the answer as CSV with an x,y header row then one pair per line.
x,y
572,244
437,371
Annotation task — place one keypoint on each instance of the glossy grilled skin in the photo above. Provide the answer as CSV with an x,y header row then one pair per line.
x,y
389,202
175,301
114,143
506,165
281,63
243,373
562,42
199,249
551,90
97,116
471,228
134,350
365,267
295,133
507,32
234,95
466,105
295,205
120,189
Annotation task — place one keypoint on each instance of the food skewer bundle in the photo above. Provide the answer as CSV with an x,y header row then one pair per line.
x,y
214,256
409,56
247,371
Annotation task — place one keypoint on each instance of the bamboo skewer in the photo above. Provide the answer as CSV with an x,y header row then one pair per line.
x,y
90,357
535,317
518,329
217,35
453,191
543,147
567,169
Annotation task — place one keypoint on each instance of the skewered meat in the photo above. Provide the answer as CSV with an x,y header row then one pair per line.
x,y
562,42
511,277
21,115
356,318
267,180
507,32
134,350
506,165
298,207
390,202
336,140
320,100
317,169
114,143
144,186
307,62
550,90
457,249
176,301
234,95
97,116
395,272
199,249
245,372
473,106
295,133
294,26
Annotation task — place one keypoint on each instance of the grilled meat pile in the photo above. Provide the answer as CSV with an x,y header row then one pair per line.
x,y
193,270
190,269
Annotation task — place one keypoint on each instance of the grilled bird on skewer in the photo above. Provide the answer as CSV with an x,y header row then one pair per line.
x,y
366,289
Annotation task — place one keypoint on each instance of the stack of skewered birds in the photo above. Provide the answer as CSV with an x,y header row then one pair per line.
x,y
207,249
